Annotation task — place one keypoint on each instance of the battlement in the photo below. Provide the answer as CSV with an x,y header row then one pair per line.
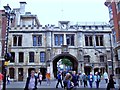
x,y
76,27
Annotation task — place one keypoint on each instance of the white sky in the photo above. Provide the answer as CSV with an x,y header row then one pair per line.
x,y
52,11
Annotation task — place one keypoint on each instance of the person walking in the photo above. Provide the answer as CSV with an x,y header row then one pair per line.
x,y
85,78
48,78
80,78
74,79
97,79
111,83
105,75
91,79
68,85
59,78
8,79
31,83
1,79
40,77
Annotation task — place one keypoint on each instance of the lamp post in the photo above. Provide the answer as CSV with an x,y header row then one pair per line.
x,y
9,15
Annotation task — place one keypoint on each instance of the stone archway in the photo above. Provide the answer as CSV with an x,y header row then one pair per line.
x,y
68,56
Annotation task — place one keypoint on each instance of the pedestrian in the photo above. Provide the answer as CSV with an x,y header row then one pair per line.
x,y
85,79
80,78
68,85
111,83
59,78
74,79
40,77
97,79
8,79
48,78
1,79
91,79
36,74
77,76
31,83
105,75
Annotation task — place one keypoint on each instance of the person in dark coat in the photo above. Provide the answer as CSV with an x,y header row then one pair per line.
x,y
59,77
31,83
111,83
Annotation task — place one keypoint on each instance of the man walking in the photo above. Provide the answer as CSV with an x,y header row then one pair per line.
x,y
97,79
91,79
59,77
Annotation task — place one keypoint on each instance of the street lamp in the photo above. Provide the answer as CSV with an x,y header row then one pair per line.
x,y
10,16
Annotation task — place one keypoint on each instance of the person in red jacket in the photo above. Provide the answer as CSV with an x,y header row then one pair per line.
x,y
1,78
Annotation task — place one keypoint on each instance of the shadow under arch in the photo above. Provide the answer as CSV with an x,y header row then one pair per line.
x,y
61,56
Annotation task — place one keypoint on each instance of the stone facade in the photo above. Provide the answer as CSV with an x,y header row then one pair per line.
x,y
78,50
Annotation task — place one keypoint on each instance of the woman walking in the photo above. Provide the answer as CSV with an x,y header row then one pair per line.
x,y
40,78
111,83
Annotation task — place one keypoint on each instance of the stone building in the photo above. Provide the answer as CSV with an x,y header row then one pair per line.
x,y
33,46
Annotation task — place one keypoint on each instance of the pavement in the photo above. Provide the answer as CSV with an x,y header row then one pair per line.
x,y
21,85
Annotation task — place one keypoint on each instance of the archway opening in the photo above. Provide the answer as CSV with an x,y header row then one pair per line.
x,y
64,64
68,56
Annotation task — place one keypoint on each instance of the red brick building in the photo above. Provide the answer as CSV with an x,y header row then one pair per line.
x,y
114,13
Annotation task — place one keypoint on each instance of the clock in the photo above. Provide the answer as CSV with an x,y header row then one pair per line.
x,y
64,26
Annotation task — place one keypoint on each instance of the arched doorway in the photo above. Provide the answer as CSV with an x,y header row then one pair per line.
x,y
87,70
96,70
68,56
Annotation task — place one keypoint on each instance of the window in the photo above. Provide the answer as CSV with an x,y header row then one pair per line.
x,y
58,38
101,58
11,72
118,6
21,57
99,40
17,40
13,57
31,57
88,40
42,56
117,70
70,39
37,40
87,59
110,12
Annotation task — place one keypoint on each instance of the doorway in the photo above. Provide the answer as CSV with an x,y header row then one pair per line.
x,y
87,70
20,74
43,71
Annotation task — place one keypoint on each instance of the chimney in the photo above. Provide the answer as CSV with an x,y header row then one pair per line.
x,y
22,7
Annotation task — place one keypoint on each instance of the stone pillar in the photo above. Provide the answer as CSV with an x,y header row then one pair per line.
x,y
16,73
16,57
51,70
25,73
65,42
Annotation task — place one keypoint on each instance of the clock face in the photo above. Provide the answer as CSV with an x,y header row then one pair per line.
x,y
64,26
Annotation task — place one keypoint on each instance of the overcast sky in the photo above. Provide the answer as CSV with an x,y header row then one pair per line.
x,y
52,11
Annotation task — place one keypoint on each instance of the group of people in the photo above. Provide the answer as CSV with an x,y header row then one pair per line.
x,y
73,80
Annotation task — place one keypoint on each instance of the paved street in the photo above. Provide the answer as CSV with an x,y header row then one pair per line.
x,y
20,85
